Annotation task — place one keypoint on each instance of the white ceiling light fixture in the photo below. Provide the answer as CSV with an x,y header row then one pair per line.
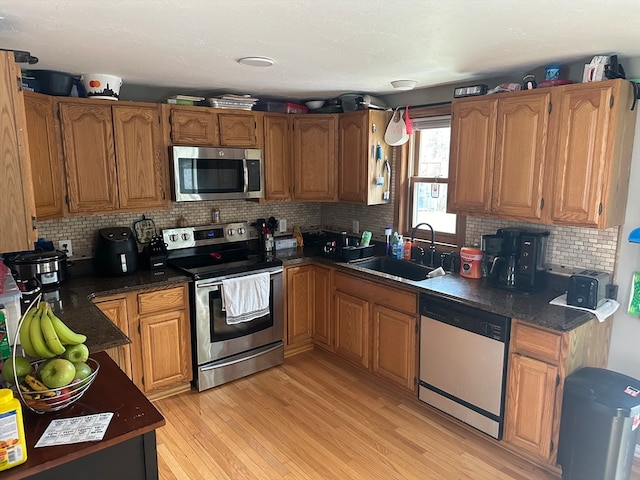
x,y
256,61
403,84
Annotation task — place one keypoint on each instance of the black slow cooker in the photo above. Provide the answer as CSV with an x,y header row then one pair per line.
x,y
49,268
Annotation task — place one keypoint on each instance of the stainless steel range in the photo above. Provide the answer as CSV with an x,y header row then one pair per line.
x,y
215,256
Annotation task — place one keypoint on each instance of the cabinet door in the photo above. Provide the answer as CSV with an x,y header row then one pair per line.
x,y
473,128
531,395
116,310
394,346
166,356
45,158
353,157
520,156
314,157
322,331
18,212
277,157
300,303
351,315
140,157
582,155
89,157
238,129
196,126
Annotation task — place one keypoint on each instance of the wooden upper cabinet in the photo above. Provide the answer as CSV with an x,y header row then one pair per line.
x,y
114,156
139,154
193,126
314,157
89,155
560,155
18,212
45,156
359,133
352,157
277,157
593,154
473,129
238,129
520,155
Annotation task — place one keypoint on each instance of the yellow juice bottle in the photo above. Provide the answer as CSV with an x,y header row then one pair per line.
x,y
13,448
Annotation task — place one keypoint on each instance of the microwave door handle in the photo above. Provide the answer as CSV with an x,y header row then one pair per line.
x,y
246,175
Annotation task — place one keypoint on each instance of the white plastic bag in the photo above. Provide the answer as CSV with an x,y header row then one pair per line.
x,y
396,133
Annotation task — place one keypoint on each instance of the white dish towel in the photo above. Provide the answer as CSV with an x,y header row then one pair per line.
x,y
246,298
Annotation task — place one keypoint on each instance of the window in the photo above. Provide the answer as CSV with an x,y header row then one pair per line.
x,y
428,178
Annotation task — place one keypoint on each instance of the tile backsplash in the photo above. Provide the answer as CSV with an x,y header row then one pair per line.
x,y
82,231
568,246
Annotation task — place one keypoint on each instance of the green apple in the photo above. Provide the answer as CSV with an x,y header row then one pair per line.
x,y
76,353
82,370
23,368
57,373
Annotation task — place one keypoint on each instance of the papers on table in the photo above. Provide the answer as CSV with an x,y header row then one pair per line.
x,y
607,308
64,431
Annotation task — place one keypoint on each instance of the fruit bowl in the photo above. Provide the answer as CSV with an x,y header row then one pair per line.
x,y
54,399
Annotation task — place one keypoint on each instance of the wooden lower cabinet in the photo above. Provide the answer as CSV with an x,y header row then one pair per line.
x,y
376,327
351,315
158,360
394,345
307,300
539,362
115,308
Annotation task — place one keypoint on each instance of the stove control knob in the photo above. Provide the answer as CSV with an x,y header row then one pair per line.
x,y
185,236
173,237
241,231
230,232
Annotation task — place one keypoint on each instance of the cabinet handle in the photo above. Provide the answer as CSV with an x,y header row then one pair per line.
x,y
600,209
541,203
611,101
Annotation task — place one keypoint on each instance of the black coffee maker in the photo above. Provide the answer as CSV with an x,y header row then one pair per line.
x,y
521,263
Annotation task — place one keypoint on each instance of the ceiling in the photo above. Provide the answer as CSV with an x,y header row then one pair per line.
x,y
321,48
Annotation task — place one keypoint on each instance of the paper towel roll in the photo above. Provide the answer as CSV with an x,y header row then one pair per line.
x,y
634,296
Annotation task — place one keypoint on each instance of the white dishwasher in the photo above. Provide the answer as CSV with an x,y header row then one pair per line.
x,y
463,362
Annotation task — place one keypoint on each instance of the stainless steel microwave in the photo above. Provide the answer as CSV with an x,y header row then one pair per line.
x,y
205,173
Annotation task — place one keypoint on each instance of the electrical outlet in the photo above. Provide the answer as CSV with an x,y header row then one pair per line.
x,y
282,225
355,226
66,247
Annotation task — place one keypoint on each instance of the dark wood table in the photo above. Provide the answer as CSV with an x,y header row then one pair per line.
x,y
128,449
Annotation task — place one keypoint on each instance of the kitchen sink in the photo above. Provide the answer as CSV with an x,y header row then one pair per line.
x,y
399,268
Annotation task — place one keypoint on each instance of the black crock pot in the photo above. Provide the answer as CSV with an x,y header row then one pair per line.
x,y
49,268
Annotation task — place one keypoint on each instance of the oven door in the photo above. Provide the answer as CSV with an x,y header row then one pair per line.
x,y
215,339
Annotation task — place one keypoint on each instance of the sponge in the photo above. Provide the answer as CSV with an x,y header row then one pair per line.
x,y
634,297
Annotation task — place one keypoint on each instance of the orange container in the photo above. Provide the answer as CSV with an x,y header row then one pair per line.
x,y
471,262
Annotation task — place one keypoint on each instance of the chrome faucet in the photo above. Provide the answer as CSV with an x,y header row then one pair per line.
x,y
432,247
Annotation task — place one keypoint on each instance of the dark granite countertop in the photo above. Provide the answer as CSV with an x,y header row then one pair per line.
x,y
534,309
72,301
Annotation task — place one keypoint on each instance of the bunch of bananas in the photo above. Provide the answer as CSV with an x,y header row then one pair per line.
x,y
34,389
43,335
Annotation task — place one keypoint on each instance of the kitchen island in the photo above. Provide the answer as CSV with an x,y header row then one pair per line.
x,y
128,449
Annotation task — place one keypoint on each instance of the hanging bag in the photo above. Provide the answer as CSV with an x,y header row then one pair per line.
x,y
396,133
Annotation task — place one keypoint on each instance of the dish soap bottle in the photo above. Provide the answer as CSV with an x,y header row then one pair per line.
x,y
406,250
399,249
393,252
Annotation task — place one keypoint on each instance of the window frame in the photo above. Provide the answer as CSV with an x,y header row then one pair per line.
x,y
406,181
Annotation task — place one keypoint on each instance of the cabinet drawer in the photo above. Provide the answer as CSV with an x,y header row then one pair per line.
x,y
381,294
536,342
161,300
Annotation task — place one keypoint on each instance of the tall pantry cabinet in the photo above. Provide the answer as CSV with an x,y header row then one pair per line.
x,y
18,212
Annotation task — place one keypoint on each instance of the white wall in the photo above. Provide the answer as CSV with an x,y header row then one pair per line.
x,y
624,354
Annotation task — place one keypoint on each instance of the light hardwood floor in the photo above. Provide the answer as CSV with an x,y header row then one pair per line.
x,y
313,418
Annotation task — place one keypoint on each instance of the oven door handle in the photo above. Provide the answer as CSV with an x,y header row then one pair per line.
x,y
260,352
219,283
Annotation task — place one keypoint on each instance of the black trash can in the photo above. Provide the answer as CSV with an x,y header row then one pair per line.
x,y
599,425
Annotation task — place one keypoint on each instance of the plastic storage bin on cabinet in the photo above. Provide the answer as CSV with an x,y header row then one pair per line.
x,y
599,425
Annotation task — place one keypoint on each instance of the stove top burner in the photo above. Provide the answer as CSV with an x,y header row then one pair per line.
x,y
215,250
